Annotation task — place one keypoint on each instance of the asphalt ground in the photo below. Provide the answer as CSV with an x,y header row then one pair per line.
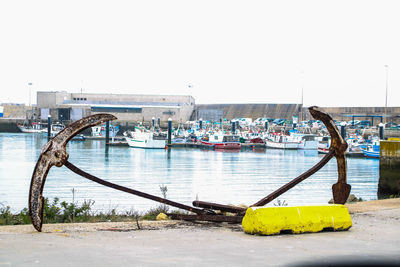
x,y
373,240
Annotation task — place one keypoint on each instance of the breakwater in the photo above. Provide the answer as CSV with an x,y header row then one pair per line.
x,y
16,114
389,169
286,111
10,125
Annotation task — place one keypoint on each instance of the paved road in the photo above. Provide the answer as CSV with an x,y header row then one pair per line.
x,y
374,237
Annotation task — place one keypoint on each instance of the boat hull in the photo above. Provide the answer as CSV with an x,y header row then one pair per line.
x,y
308,145
29,130
222,145
371,154
281,145
323,150
150,143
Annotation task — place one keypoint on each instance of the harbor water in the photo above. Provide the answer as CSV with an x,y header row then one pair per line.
x,y
226,177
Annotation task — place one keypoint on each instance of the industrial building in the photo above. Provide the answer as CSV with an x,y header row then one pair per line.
x,y
133,108
64,106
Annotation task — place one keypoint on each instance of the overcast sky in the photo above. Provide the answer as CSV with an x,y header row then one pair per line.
x,y
217,51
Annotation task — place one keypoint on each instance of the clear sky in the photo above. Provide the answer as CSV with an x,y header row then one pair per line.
x,y
217,51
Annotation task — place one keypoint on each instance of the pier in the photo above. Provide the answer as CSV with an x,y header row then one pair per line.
x,y
389,168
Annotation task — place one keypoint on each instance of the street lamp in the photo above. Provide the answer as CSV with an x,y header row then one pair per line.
x,y
386,98
30,92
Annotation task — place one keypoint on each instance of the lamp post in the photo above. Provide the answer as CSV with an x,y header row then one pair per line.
x,y
386,97
30,92
302,95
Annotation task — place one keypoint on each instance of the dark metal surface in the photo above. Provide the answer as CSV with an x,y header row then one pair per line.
x,y
215,206
93,178
338,147
294,182
340,190
206,217
54,154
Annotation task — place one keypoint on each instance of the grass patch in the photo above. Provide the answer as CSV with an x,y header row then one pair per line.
x,y
63,212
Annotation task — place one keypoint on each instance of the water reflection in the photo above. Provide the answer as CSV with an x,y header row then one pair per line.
x,y
226,177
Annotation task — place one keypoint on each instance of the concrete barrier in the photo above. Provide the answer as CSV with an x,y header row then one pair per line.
x,y
296,220
389,169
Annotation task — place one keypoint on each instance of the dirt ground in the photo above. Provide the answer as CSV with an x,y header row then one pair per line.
x,y
373,239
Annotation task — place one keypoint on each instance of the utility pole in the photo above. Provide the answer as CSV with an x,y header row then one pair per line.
x,y
386,97
30,93
302,96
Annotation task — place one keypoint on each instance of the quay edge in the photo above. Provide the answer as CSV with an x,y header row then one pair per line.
x,y
389,169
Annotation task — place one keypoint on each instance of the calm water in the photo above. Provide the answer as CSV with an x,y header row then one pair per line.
x,y
222,177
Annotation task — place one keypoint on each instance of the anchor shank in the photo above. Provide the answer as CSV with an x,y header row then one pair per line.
x,y
295,181
86,175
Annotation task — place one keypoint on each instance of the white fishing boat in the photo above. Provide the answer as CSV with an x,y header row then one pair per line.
x,y
354,148
141,138
355,145
324,144
100,131
36,127
281,141
306,141
54,129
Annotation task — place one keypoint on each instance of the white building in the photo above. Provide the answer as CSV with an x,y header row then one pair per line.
x,y
64,106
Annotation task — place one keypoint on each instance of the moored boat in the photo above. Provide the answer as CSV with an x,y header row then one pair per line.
x,y
36,127
324,144
354,147
307,141
55,128
372,150
100,131
281,141
142,138
221,141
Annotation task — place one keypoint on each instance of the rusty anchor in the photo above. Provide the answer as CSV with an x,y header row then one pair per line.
x,y
340,190
54,154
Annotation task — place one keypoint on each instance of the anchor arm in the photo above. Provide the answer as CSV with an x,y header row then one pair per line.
x,y
295,181
340,190
54,154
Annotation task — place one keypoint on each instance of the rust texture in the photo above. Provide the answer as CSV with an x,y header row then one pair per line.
x,y
340,190
129,190
54,154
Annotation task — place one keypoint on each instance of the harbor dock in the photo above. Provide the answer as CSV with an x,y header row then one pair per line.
x,y
370,242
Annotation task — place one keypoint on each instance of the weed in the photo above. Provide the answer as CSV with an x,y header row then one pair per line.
x,y
280,203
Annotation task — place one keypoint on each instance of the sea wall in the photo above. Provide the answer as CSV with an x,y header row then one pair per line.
x,y
10,125
344,113
389,169
230,111
286,111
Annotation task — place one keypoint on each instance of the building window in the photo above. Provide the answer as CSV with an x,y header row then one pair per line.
x,y
116,109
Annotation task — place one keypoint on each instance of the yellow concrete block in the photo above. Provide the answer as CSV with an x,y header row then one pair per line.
x,y
302,219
